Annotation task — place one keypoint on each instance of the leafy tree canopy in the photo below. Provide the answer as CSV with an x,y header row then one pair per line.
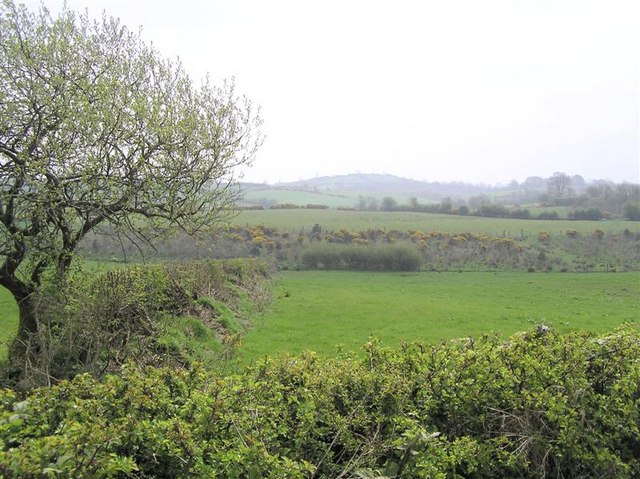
x,y
96,129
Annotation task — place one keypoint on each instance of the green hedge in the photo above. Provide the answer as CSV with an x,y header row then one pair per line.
x,y
538,405
396,257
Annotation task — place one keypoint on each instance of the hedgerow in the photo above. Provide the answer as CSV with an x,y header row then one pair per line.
x,y
441,251
95,322
538,405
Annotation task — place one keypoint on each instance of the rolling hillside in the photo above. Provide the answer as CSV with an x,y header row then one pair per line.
x,y
346,191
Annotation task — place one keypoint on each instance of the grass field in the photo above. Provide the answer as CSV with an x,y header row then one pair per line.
x,y
332,199
321,310
294,220
8,320
279,196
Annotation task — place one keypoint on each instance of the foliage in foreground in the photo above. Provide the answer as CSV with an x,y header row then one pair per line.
x,y
538,405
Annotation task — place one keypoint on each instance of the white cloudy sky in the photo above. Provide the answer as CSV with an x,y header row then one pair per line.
x,y
468,90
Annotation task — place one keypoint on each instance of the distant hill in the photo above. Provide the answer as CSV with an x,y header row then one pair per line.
x,y
373,192
346,190
391,184
360,182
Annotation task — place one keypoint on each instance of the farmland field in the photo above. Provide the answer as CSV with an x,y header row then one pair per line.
x,y
332,199
321,310
275,196
296,219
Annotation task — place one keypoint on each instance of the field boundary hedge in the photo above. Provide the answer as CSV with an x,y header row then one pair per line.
x,y
538,405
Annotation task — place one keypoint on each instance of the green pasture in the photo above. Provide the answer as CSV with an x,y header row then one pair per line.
x,y
296,197
295,220
563,211
8,320
332,199
321,310
328,311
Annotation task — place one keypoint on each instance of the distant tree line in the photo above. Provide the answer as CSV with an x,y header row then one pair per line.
x,y
595,201
620,199
576,198
485,207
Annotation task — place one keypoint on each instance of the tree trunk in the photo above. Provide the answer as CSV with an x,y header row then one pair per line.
x,y
27,320
28,324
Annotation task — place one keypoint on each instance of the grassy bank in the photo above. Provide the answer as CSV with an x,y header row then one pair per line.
x,y
159,313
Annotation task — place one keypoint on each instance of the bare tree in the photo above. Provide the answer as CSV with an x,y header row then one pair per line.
x,y
559,187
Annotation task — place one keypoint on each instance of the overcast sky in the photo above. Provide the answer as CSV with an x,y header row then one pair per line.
x,y
466,90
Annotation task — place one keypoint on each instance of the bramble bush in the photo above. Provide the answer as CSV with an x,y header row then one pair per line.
x,y
538,405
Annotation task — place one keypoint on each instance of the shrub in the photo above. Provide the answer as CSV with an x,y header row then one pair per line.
x,y
544,237
538,405
384,257
548,215
285,206
592,214
631,211
521,214
495,211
